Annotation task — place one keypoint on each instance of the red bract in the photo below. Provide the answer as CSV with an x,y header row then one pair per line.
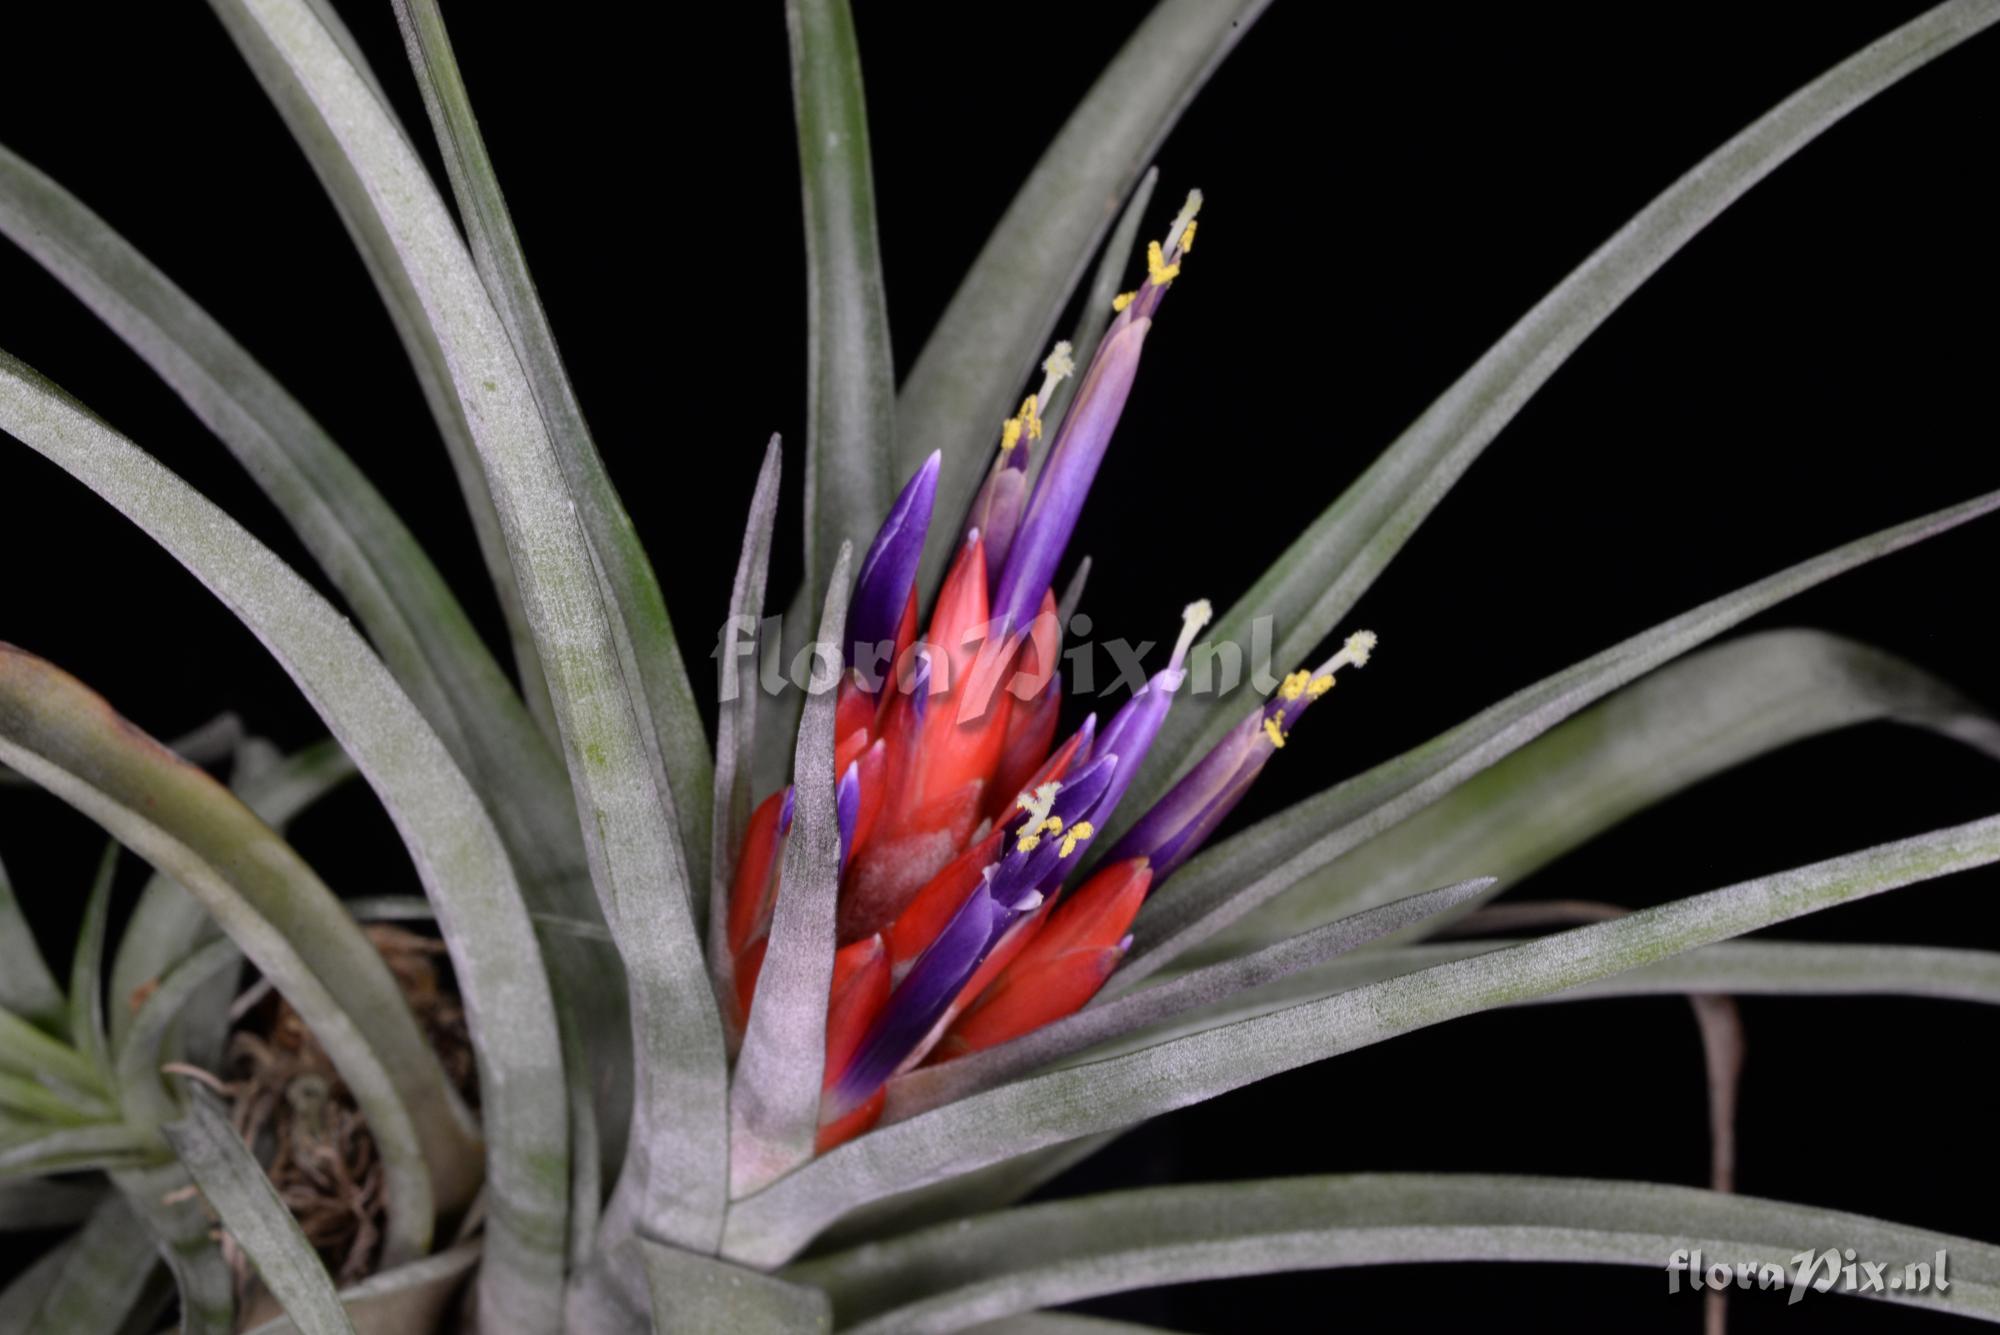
x,y
1059,967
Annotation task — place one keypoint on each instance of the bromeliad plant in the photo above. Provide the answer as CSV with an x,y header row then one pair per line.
x,y
905,987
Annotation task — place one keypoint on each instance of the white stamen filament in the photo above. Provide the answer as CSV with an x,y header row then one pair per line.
x,y
1193,619
1058,367
1355,653
1181,221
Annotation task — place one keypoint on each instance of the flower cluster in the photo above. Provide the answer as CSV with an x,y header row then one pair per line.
x,y
961,817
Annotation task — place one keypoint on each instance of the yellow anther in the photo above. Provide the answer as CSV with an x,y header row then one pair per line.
x,y
1010,434
1053,825
1032,418
1294,686
1187,237
1274,732
1158,271
1320,686
1027,842
1122,300
1082,830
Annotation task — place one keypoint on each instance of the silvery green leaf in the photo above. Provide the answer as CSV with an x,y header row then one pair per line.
x,y
34,1204
948,1278
934,1086
253,1213
371,557
367,550
774,1102
1310,588
27,988
86,971
312,131
451,838
142,1095
97,1282
1105,285
1082,1100
1060,1323
1737,968
32,1100
1000,320
411,1297
976,1192
850,376
694,1295
1666,732
75,1149
33,1054
263,895
638,609
613,752
24,1291
736,713
210,744
165,1197
1223,883
167,923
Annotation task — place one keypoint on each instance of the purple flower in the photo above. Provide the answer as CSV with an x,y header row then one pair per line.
x,y
1179,823
1049,834
1052,512
1132,729
889,571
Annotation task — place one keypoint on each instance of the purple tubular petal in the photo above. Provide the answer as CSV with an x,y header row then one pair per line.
x,y
920,687
914,1008
1020,872
996,512
890,569
1009,891
847,806
1131,732
1179,823
785,810
1072,464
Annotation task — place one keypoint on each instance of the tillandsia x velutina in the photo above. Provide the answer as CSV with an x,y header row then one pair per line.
x,y
960,817
789,1063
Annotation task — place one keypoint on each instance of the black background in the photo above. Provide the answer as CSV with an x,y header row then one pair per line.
x,y
1388,189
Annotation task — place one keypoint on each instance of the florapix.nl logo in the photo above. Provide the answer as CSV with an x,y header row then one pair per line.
x,y
1824,1271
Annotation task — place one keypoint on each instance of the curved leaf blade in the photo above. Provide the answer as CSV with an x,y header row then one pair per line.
x,y
57,732
736,712
850,376
771,1226
451,839
183,1235
999,321
1326,570
409,1297
1221,884
167,923
774,1102
631,587
102,1276
613,753
234,1183
946,1279
369,554
1692,719
27,988
935,1086
87,1033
